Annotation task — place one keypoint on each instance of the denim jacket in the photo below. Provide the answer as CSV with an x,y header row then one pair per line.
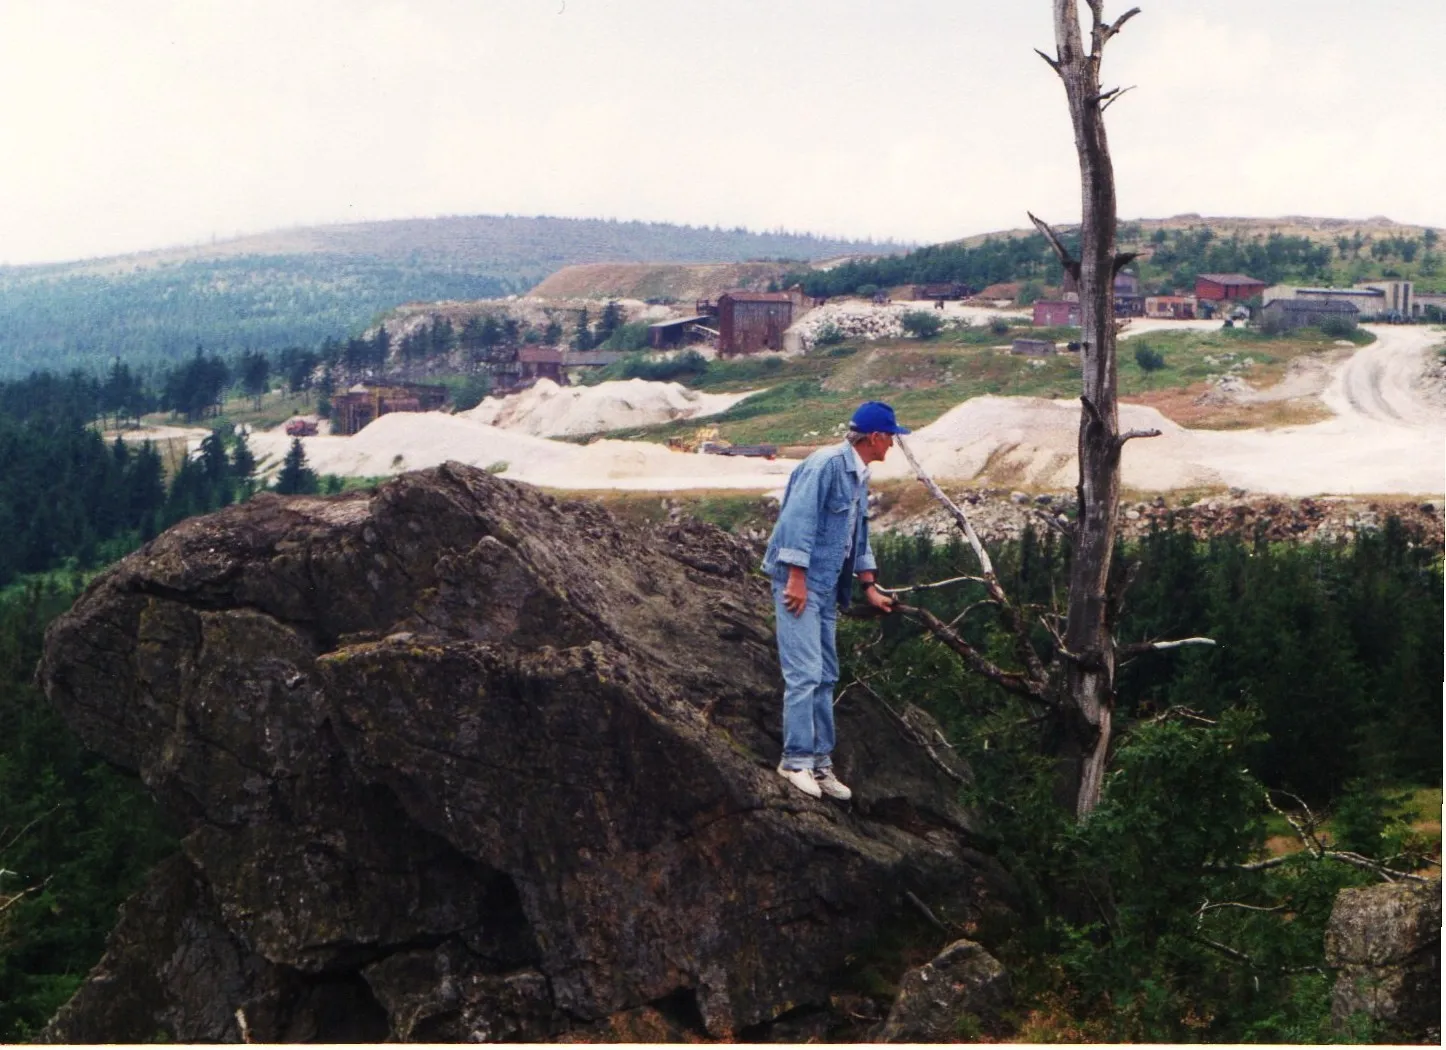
x,y
813,523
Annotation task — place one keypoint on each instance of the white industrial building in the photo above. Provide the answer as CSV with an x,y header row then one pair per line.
x,y
1376,300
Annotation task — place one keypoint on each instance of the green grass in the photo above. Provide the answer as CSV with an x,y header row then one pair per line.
x,y
807,397
1193,355
276,408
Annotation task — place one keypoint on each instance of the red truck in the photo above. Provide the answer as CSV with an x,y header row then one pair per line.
x,y
299,427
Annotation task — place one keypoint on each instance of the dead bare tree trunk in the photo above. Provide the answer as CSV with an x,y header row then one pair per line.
x,y
1074,693
1087,700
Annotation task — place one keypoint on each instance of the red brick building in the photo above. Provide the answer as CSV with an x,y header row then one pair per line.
x,y
1055,313
1220,287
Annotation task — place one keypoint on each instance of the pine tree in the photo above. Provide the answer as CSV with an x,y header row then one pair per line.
x,y
295,477
255,372
381,347
243,465
582,337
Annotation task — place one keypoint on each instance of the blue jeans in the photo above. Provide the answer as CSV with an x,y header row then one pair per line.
x,y
809,657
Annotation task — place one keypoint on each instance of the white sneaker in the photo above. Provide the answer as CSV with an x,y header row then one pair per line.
x,y
803,780
831,785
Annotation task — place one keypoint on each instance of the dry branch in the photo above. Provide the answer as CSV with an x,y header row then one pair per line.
x,y
909,732
929,586
1145,647
1131,434
1068,261
960,518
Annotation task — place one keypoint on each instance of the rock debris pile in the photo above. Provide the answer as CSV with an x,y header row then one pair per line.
x,y
998,515
456,761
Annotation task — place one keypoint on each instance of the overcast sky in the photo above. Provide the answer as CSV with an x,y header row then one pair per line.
x,y
135,124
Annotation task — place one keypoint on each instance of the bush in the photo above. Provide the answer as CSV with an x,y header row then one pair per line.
x,y
1337,328
921,324
1148,359
828,334
471,393
999,325
629,338
868,291
687,365
1030,293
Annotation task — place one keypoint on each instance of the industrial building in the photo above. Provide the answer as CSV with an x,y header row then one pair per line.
x,y
1129,302
752,321
1374,300
1056,313
1227,287
368,401
667,335
1285,314
1170,307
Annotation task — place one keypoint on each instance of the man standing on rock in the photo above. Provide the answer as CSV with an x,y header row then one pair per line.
x,y
820,543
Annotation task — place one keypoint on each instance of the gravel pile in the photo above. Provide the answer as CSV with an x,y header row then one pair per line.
x,y
999,515
549,410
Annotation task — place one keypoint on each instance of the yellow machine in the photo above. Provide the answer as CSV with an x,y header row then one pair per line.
x,y
694,442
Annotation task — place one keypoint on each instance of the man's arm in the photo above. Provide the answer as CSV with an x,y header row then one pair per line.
x,y
866,567
797,524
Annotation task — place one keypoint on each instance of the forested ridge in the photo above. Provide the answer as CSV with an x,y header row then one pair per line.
x,y
1169,260
271,291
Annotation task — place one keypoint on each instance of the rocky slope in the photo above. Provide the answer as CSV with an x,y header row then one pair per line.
x,y
458,761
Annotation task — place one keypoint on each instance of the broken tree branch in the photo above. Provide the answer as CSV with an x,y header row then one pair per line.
x,y
924,910
1114,96
969,609
1239,956
1118,24
22,832
960,518
1129,434
1178,711
930,586
1209,905
1356,860
1305,830
1145,647
1018,629
1021,684
1053,63
1068,261
910,733
14,899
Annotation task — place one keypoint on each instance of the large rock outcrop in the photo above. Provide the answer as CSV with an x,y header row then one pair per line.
x,y
1385,941
455,760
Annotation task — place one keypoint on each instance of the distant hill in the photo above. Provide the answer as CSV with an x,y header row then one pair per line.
x,y
298,287
1322,230
680,282
1171,252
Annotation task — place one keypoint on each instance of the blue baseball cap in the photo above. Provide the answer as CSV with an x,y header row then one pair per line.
x,y
875,417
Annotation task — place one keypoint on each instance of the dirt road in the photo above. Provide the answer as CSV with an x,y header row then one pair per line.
x,y
1386,435
1379,382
